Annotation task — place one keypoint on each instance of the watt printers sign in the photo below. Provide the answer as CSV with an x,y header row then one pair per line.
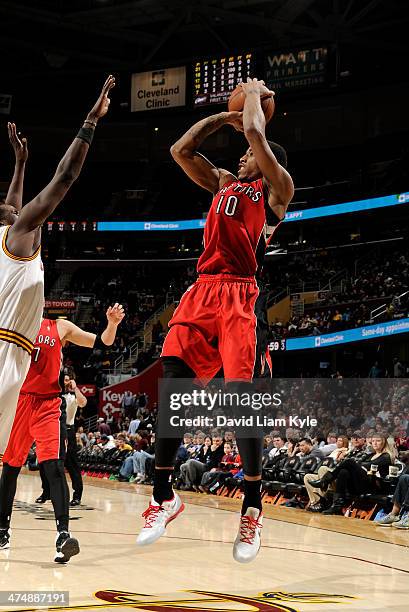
x,y
158,89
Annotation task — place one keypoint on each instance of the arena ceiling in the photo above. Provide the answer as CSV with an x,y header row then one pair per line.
x,y
129,35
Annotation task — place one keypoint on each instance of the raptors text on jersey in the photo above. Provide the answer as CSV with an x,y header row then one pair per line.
x,y
43,376
234,234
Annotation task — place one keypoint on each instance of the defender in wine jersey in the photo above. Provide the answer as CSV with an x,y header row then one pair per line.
x,y
41,418
216,325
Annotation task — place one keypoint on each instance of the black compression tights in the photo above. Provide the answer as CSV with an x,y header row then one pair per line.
x,y
59,493
8,485
250,449
166,448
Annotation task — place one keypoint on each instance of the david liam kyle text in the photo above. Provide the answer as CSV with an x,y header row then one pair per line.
x,y
254,420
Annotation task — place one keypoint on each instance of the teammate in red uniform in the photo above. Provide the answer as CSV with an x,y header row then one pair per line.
x,y
40,417
215,324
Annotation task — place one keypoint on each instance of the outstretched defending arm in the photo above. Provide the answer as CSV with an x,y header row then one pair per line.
x,y
69,332
194,164
20,239
278,181
15,193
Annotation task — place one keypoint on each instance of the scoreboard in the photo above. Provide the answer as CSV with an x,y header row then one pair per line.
x,y
214,79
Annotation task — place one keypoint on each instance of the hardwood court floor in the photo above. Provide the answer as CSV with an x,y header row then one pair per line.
x,y
305,564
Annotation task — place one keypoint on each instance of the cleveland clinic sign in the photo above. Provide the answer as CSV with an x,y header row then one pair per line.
x,y
156,89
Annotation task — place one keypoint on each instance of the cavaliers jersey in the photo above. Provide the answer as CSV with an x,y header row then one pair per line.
x,y
21,296
234,235
43,376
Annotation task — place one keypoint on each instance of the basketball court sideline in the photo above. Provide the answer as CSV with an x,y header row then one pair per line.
x,y
304,564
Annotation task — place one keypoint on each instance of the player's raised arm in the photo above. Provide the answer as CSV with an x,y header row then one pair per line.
x,y
277,179
69,332
15,193
68,170
194,164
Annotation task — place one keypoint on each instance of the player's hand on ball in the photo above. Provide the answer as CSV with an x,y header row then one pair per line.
x,y
19,144
115,314
101,106
256,86
235,118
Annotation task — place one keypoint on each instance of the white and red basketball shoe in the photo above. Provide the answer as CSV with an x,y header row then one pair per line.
x,y
157,517
248,540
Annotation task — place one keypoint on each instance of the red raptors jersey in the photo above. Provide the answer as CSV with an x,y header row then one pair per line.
x,y
43,376
234,241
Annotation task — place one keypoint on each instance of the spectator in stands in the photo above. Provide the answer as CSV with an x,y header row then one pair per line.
x,y
399,515
293,447
141,440
230,437
148,419
385,414
268,441
359,448
107,442
83,436
90,440
317,497
218,473
122,444
352,478
198,441
375,371
400,426
128,404
369,422
110,421
140,458
398,369
133,426
279,446
306,448
188,471
183,451
369,437
195,468
143,400
267,444
103,428
331,444
347,416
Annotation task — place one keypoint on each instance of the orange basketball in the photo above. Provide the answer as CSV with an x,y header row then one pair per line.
x,y
236,103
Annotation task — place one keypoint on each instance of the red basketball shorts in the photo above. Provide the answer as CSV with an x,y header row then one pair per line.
x,y
37,420
215,327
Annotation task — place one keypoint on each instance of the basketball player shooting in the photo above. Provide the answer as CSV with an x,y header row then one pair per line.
x,y
41,417
215,324
22,274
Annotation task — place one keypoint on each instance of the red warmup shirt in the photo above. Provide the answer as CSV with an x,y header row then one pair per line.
x,y
42,379
234,240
